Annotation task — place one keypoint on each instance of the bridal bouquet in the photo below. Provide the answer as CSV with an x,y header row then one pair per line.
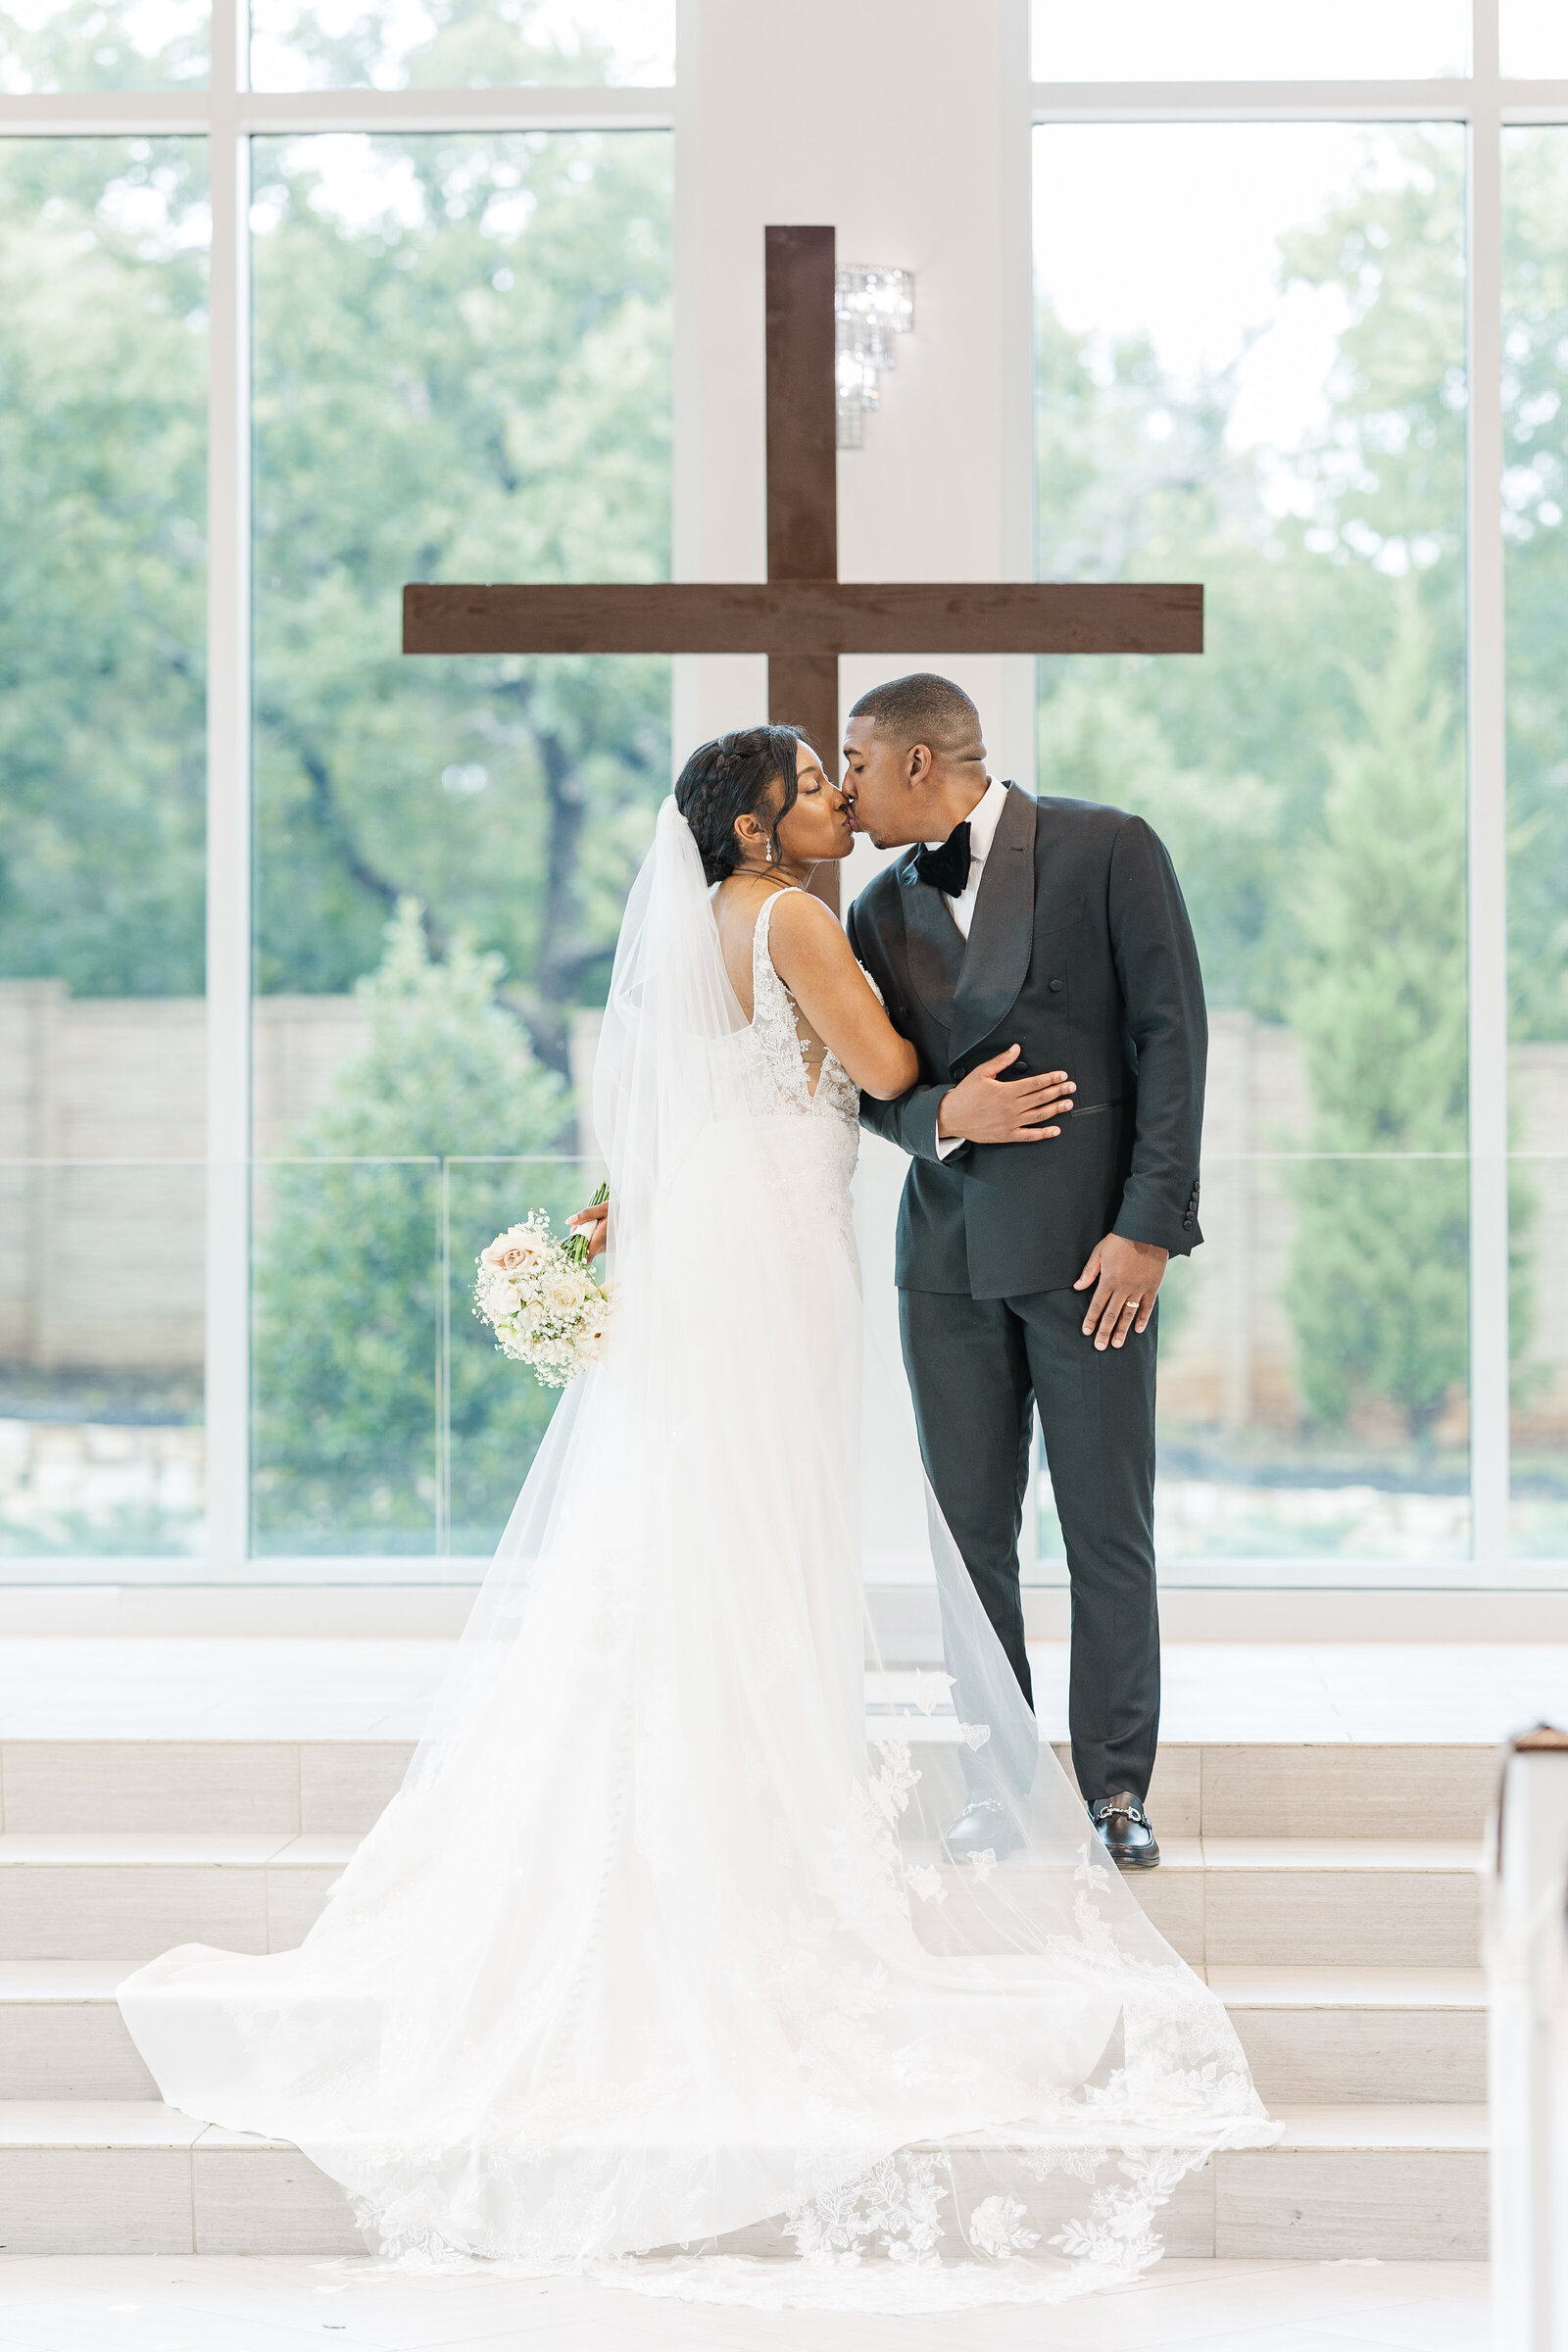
x,y
541,1301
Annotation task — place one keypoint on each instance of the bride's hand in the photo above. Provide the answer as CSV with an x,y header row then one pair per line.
x,y
594,1223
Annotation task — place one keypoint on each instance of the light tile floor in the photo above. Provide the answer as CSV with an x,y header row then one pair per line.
x,y
268,2304
265,1688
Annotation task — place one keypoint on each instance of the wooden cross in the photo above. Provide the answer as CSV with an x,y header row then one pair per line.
x,y
805,616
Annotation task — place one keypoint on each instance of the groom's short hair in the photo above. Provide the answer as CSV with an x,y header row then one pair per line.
x,y
925,709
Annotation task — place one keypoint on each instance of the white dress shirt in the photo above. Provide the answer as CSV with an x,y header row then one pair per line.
x,y
984,819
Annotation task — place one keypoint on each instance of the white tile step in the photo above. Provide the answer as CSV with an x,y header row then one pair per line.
x,y
131,1894
1304,1903
1316,1903
62,2036
1361,2036
1358,2036
80,2176
1277,1787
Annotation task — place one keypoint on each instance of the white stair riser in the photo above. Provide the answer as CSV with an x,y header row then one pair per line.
x,y
1376,2056
1373,2057
1260,1791
191,1786
1327,1790
89,1911
1351,2205
69,2050
171,2201
1303,1918
1315,1918
1279,2204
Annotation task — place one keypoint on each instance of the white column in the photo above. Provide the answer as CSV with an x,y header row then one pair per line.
x,y
905,125
1487,830
1529,2115
228,822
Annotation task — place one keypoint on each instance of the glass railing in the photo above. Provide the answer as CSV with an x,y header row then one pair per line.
x,y
1313,1377
384,1422
103,1451
1314,1373
1538,1210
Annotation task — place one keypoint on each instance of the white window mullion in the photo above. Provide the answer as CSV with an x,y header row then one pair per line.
x,y
1434,101
160,113
1487,826
228,812
542,106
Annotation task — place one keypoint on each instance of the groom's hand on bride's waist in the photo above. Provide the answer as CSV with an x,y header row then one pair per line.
x,y
988,1107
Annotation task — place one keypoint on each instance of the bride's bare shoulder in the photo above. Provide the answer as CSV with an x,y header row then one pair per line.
x,y
805,933
800,918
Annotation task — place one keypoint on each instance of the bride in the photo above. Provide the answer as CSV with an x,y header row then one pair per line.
x,y
657,1966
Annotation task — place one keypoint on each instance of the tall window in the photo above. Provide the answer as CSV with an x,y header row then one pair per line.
x,y
1265,387
301,944
1534,484
103,443
474,385
1307,345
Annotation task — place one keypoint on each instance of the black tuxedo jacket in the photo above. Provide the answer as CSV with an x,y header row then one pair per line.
x,y
1080,953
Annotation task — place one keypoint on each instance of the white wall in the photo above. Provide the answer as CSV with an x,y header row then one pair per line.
x,y
915,145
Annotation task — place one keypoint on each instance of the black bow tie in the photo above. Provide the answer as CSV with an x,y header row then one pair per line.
x,y
947,868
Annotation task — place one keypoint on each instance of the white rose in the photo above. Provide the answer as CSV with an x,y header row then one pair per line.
x,y
563,1293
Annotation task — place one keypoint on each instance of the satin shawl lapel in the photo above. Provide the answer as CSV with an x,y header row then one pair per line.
x,y
933,943
1002,935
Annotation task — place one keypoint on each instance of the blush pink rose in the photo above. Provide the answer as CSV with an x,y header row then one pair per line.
x,y
511,1254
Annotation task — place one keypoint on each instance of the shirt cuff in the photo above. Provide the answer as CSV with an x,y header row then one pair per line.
x,y
947,1145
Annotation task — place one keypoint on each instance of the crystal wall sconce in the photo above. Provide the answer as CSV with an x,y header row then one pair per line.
x,y
870,306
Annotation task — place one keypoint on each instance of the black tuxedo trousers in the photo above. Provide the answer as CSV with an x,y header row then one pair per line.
x,y
1080,953
977,1369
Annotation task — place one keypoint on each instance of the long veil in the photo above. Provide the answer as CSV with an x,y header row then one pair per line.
x,y
658,1964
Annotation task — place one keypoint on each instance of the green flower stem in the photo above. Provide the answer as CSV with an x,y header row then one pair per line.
x,y
577,1246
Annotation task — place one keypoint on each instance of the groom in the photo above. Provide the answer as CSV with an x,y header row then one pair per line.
x,y
1028,937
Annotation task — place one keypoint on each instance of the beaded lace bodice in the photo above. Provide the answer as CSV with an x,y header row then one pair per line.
x,y
783,1053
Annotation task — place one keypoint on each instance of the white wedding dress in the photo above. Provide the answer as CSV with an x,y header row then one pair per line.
x,y
655,1965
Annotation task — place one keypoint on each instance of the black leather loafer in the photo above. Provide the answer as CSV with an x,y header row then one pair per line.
x,y
1125,1830
984,1823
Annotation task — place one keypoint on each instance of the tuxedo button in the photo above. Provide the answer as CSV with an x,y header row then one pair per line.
x,y
1056,986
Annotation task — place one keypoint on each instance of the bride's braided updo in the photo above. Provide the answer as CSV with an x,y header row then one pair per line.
x,y
732,777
